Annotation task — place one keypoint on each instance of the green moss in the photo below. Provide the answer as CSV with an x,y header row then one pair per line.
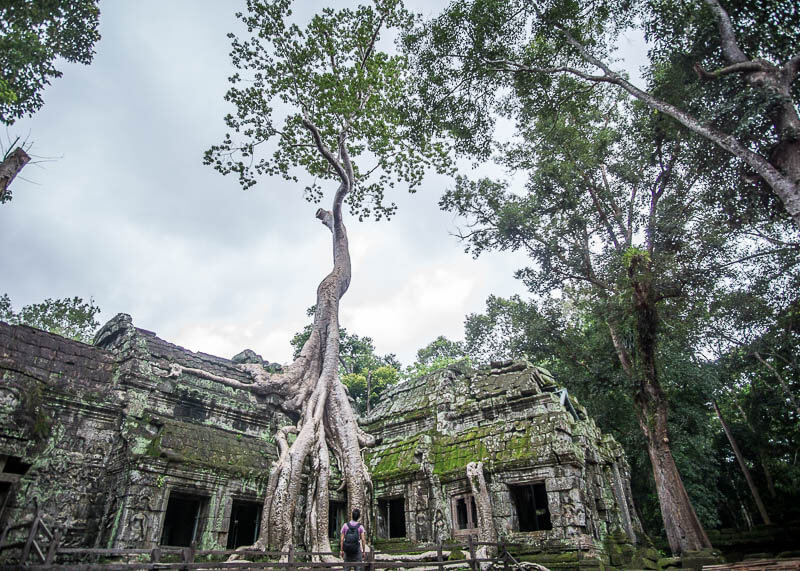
x,y
398,457
154,448
456,555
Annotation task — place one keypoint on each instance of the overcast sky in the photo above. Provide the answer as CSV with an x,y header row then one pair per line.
x,y
128,215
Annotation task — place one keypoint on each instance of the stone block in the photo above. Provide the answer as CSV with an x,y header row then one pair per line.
x,y
697,559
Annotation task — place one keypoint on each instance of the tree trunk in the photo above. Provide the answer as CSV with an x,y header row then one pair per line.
x,y
745,470
683,528
314,394
483,505
10,168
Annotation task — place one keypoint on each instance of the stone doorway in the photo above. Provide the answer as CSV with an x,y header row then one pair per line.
x,y
183,520
244,524
391,518
337,517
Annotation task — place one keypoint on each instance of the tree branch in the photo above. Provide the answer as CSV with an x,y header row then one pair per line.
x,y
730,47
324,150
741,67
784,386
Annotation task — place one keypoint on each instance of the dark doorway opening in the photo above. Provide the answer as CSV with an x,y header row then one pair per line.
x,y
392,517
15,465
182,522
530,501
245,523
337,516
5,495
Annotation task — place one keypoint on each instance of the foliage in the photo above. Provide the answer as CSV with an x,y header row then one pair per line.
x,y
379,380
475,56
33,35
329,75
69,317
684,38
436,355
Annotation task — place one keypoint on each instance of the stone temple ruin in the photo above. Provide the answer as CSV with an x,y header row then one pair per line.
x,y
131,443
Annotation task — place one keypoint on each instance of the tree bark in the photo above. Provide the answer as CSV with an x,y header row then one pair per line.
x,y
10,168
683,528
745,470
483,505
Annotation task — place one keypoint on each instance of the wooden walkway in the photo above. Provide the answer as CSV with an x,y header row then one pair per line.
x,y
42,551
758,565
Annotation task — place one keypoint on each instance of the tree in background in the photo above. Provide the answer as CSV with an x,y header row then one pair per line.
x,y
613,221
727,75
69,317
436,355
344,124
33,34
361,370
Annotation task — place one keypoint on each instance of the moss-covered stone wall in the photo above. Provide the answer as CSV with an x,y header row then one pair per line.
x,y
108,434
516,420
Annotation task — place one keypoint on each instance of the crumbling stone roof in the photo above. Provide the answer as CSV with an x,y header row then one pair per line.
x,y
510,415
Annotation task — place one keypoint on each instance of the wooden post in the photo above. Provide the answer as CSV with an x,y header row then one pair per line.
x,y
290,556
370,560
155,555
505,554
188,553
439,555
472,563
26,551
51,550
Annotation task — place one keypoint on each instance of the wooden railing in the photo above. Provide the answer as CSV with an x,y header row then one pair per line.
x,y
41,543
86,559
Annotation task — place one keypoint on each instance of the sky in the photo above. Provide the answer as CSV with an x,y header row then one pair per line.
x,y
119,208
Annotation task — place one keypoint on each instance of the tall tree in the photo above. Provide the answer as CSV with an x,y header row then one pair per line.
x,y
344,124
612,220
729,76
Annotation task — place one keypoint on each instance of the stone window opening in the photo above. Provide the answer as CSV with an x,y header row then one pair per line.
x,y
14,465
184,519
391,518
245,523
337,516
465,512
530,504
12,468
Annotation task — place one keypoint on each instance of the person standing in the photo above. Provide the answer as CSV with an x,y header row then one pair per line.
x,y
351,543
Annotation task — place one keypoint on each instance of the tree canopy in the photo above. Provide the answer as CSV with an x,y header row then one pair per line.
x,y
726,75
34,34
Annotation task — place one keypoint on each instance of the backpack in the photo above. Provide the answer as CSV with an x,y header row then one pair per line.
x,y
351,539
